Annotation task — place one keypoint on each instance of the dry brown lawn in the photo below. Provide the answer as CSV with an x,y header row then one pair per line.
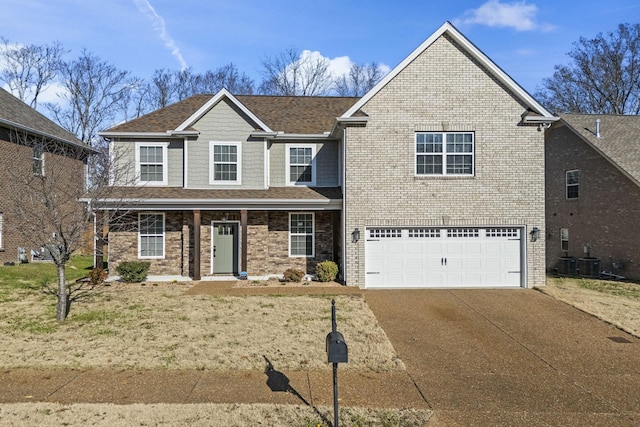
x,y
129,326
617,303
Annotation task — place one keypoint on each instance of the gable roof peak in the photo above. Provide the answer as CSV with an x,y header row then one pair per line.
x,y
450,30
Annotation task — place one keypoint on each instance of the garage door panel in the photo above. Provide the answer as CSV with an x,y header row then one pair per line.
x,y
446,257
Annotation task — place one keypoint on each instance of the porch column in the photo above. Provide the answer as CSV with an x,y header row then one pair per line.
x,y
196,245
243,226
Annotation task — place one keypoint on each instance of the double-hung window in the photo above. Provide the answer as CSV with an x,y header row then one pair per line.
x,y
301,168
151,235
225,163
151,163
572,183
444,153
301,235
564,239
38,161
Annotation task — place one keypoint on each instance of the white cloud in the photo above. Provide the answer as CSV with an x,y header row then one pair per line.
x,y
338,66
159,25
519,15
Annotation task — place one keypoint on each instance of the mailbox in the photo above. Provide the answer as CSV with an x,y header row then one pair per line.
x,y
337,351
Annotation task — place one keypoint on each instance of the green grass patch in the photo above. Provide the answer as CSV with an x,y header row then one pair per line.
x,y
612,288
33,275
34,326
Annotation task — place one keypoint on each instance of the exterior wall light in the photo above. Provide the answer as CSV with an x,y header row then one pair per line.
x,y
355,235
535,234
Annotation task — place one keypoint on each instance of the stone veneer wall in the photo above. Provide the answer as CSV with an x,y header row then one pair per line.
x,y
267,243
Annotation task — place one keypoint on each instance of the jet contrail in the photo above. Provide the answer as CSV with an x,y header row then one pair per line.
x,y
158,24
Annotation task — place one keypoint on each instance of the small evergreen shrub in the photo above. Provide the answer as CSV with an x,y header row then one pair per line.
x,y
133,271
293,275
326,271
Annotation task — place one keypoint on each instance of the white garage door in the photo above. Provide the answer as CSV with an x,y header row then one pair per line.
x,y
443,257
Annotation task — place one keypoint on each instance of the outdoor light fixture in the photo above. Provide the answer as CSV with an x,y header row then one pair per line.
x,y
355,235
224,216
535,233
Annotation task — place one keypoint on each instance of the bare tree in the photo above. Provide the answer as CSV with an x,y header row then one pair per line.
x,y
52,204
603,76
295,74
227,77
95,92
360,79
28,69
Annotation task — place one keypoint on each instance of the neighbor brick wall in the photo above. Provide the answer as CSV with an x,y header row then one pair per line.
x,y
16,161
604,216
444,89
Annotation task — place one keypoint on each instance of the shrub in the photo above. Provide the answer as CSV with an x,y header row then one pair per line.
x,y
133,271
326,271
97,276
293,275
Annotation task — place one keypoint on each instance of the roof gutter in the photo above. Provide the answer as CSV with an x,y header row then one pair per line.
x,y
48,135
169,133
282,136
217,204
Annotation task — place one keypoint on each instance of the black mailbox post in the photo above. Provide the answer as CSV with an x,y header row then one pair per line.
x,y
337,352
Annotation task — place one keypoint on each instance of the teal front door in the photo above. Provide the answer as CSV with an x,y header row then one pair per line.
x,y
224,248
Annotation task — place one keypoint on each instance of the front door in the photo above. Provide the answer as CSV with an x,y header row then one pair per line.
x,y
224,248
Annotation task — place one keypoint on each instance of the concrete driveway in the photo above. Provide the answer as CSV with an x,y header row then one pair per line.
x,y
511,357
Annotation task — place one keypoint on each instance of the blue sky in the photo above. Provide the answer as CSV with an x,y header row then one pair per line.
x,y
526,38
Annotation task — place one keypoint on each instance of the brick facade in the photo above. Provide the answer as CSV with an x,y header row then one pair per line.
x,y
603,217
444,89
16,161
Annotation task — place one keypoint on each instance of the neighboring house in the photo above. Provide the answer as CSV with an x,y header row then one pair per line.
x,y
435,178
30,144
593,195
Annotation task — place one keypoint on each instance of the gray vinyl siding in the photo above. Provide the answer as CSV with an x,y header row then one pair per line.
x,y
326,163
124,152
224,123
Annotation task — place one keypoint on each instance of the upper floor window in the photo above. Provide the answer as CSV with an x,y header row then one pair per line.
x,y
38,161
151,163
444,153
301,235
225,167
572,183
301,165
151,235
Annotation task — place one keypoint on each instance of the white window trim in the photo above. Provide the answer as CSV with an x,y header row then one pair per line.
x,y
567,185
163,236
40,159
444,155
313,235
165,163
238,180
311,183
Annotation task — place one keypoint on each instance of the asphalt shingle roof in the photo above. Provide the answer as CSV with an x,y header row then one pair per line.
x,y
272,193
619,139
15,112
291,114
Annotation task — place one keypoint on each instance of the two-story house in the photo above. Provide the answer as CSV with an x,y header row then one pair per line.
x,y
32,146
435,178
593,195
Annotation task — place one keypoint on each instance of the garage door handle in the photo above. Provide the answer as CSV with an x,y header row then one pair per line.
x,y
443,261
